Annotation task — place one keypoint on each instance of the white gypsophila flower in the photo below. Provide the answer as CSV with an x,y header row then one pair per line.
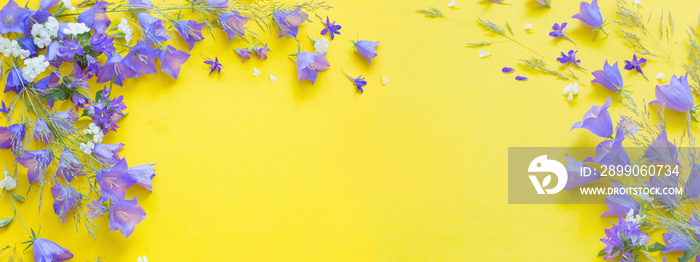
x,y
126,29
42,33
142,259
68,5
33,67
75,29
321,45
8,183
94,131
11,48
86,147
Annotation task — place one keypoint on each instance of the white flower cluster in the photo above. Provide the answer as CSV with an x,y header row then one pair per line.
x,y
126,29
43,33
95,131
33,67
8,183
68,5
11,48
75,29
87,147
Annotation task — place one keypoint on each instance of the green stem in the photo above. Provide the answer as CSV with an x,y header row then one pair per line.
x,y
511,39
17,213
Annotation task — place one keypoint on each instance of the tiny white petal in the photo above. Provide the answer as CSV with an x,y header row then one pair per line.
x,y
660,76
528,26
567,89
385,81
273,78
452,4
639,2
574,88
256,72
570,97
483,54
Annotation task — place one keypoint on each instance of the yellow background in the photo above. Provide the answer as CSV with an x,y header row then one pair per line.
x,y
249,170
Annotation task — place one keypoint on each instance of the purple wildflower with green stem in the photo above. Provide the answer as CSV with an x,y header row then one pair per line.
x,y
676,95
558,31
288,21
310,64
570,58
590,15
124,215
609,77
96,17
597,120
233,24
367,49
171,60
153,28
214,65
65,198
636,65
36,161
262,51
359,82
190,31
47,251
244,53
623,239
331,28
142,58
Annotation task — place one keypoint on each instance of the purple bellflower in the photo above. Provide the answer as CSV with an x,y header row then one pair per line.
x,y
676,96
114,181
65,198
546,3
243,53
609,77
64,121
69,166
95,17
676,241
36,161
331,28
661,150
102,43
288,21
692,186
115,70
107,154
27,44
611,152
558,31
233,24
219,4
47,251
15,80
140,3
124,215
665,183
142,58
12,18
636,65
190,31
171,59
367,49
143,175
153,28
309,64
214,65
35,17
262,51
575,178
620,204
11,137
570,58
95,209
4,108
622,238
590,15
47,4
597,120
42,131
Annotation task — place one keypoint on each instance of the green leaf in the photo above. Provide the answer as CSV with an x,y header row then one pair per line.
x,y
509,29
656,247
687,255
5,221
18,197
57,93
602,253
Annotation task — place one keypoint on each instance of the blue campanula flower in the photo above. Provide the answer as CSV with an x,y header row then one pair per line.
x,y
15,80
95,17
623,238
331,28
42,131
142,58
219,4
243,53
233,24
69,166
124,215
367,49
102,43
597,120
64,121
262,51
609,77
288,21
113,181
677,241
661,150
620,204
65,198
590,15
95,209
575,179
310,64
36,161
171,59
12,18
107,154
47,251
140,3
114,69
676,96
28,44
143,174
11,137
190,31
153,28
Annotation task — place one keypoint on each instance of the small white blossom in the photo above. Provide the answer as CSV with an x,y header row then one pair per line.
x,y
528,27
87,148
142,259
571,90
385,81
126,29
33,67
452,4
633,218
483,54
638,2
75,29
321,45
11,48
273,78
8,183
660,77
68,5
94,131
256,72
42,33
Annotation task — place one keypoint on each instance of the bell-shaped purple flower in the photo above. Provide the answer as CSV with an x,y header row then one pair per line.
x,y
262,51
190,31
114,181
106,153
35,17
36,161
661,150
47,251
611,152
142,58
676,241
12,18
367,49
115,70
219,4
692,186
288,21
620,204
609,77
676,95
95,209
27,44
575,178
95,17
143,174
47,4
65,120
11,137
65,198
140,3
69,166
243,53
597,120
171,59
233,24
15,80
42,131
590,14
309,64
102,43
153,28
665,183
124,215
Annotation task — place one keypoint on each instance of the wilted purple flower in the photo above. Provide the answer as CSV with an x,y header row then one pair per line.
x,y
558,31
115,70
69,166
47,251
233,24
611,152
214,64
4,108
107,154
575,178
114,181
620,204
65,198
153,28
309,64
367,49
570,58
27,44
95,209
331,28
609,77
590,14
676,95
124,215
95,17
142,58
243,53
359,82
11,137
692,186
220,4
42,131
623,238
190,31
676,241
15,80
288,21
635,64
36,161
12,17
661,150
171,59
262,51
143,174
597,120
140,3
